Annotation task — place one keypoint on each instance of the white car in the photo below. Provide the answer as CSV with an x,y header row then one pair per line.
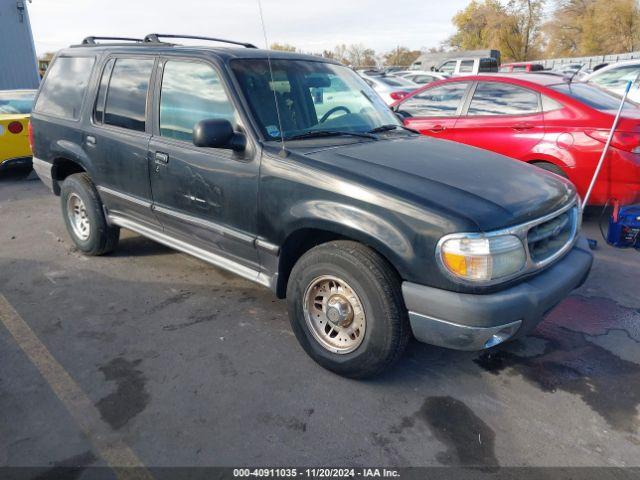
x,y
390,88
421,77
615,78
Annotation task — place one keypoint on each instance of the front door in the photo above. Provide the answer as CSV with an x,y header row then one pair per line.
x,y
434,111
503,118
204,196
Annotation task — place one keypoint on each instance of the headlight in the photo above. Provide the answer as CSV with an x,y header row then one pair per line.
x,y
482,259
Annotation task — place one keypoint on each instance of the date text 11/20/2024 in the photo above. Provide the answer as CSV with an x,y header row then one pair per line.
x,y
316,472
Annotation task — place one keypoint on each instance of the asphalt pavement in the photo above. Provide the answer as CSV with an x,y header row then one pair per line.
x,y
157,358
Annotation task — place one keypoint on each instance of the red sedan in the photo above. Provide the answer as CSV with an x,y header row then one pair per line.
x,y
539,119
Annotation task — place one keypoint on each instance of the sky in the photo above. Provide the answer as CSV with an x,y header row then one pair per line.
x,y
310,26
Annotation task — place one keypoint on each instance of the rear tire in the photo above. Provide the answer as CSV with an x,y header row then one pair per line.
x,y
346,309
84,216
550,167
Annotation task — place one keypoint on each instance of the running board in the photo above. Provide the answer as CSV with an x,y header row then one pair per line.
x,y
212,258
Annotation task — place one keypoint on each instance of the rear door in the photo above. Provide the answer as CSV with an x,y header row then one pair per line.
x,y
204,196
502,117
434,111
118,136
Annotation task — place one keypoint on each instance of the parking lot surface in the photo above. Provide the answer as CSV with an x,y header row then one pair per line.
x,y
178,363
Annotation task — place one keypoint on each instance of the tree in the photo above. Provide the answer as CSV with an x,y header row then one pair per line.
x,y
401,56
593,27
360,56
513,28
284,47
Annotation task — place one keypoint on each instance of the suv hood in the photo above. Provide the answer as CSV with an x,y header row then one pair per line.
x,y
487,189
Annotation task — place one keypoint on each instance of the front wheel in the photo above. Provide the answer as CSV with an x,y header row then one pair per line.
x,y
346,309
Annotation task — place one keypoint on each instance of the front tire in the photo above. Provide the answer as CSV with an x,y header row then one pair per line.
x,y
84,216
346,309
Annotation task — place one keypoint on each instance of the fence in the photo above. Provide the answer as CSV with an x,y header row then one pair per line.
x,y
591,61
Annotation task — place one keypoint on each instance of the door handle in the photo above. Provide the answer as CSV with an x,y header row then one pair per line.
x,y
437,128
90,140
523,126
162,158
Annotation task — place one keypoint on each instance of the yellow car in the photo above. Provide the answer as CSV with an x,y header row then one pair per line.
x,y
15,110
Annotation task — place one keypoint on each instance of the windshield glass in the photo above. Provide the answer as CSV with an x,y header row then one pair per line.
x,y
311,96
593,97
16,102
396,82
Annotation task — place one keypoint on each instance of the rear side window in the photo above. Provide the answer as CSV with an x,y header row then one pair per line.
x,y
191,92
126,101
493,98
442,101
98,113
65,86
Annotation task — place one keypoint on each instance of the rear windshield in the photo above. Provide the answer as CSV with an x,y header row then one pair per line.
x,y
64,87
16,102
591,96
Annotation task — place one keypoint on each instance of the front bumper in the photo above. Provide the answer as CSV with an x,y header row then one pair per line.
x,y
465,321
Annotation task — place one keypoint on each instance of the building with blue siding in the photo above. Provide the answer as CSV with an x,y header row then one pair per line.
x,y
18,62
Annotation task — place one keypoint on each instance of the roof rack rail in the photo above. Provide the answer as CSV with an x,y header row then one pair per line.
x,y
92,40
155,38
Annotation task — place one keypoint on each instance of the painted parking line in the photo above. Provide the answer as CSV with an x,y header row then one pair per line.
x,y
119,457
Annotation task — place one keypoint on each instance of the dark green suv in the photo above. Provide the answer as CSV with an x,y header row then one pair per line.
x,y
290,171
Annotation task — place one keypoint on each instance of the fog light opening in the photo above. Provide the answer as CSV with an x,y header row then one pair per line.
x,y
502,335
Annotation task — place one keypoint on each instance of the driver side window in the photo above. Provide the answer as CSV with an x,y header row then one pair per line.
x,y
191,92
442,101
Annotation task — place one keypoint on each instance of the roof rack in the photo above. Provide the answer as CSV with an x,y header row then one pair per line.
x,y
92,40
155,38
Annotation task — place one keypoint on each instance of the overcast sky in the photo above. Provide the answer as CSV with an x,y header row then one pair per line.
x,y
311,26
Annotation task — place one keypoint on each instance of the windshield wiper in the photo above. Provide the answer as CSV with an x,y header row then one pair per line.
x,y
389,127
330,133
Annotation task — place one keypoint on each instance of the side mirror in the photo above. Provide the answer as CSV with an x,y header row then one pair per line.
x,y
218,133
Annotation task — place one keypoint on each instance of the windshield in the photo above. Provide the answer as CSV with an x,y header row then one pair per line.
x,y
311,96
396,82
16,102
593,97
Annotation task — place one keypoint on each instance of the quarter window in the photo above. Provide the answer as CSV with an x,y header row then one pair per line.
x,y
191,92
492,98
442,101
64,87
126,100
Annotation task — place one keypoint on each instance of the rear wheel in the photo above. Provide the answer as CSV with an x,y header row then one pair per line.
x,y
346,309
550,167
84,216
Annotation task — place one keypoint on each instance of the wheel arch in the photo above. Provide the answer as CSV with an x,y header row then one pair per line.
x,y
378,235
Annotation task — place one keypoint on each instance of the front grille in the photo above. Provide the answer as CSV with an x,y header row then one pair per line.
x,y
547,239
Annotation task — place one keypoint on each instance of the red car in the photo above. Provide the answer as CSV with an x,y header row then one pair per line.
x,y
539,119
520,67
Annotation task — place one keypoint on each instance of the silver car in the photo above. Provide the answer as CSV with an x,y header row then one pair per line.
x,y
390,88
615,78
